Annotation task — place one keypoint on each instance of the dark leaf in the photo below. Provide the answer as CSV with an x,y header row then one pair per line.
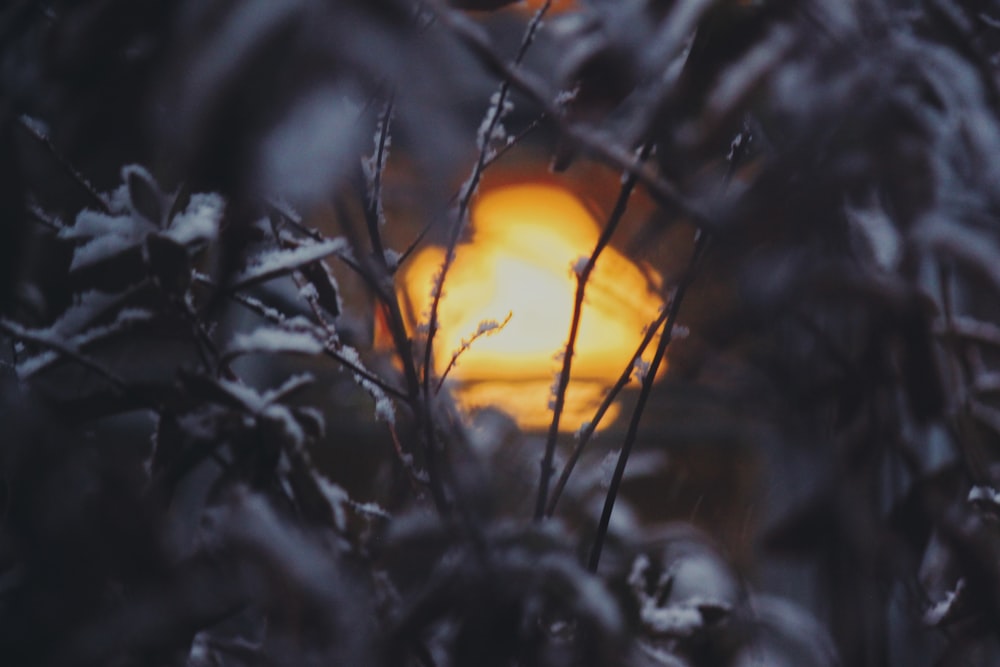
x,y
327,294
145,195
169,263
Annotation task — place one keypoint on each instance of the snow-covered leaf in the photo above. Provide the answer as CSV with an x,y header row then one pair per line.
x,y
103,236
126,319
200,219
144,194
137,212
984,494
275,340
279,262
938,611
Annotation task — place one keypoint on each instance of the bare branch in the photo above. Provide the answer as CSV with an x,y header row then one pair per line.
x,y
628,185
647,384
493,116
586,137
486,328
591,427
96,198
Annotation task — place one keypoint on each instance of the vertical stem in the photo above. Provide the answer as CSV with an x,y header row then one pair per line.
x,y
609,398
647,385
374,208
494,115
628,185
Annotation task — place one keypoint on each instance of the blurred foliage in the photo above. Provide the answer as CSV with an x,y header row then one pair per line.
x,y
209,457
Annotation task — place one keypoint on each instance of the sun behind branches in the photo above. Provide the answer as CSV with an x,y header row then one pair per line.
x,y
527,240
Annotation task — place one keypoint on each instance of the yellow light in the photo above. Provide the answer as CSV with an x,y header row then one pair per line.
x,y
525,241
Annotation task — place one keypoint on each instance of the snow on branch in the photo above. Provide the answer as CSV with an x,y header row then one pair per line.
x,y
384,409
60,342
485,328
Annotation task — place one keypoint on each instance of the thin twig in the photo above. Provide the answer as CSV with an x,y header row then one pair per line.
x,y
77,177
331,345
494,327
535,124
583,276
374,208
513,141
588,431
379,280
494,115
647,384
205,345
598,143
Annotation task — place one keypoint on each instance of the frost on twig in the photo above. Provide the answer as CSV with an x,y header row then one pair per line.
x,y
640,368
374,165
491,130
485,328
384,409
338,498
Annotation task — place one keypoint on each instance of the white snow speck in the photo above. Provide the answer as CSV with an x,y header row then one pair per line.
x,y
337,497
384,409
392,259
308,292
564,97
640,368
608,465
884,240
36,125
984,494
936,613
491,129
674,621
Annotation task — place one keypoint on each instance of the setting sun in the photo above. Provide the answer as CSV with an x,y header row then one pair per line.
x,y
525,241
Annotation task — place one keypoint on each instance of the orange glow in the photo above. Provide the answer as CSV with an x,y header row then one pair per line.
x,y
556,6
525,242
